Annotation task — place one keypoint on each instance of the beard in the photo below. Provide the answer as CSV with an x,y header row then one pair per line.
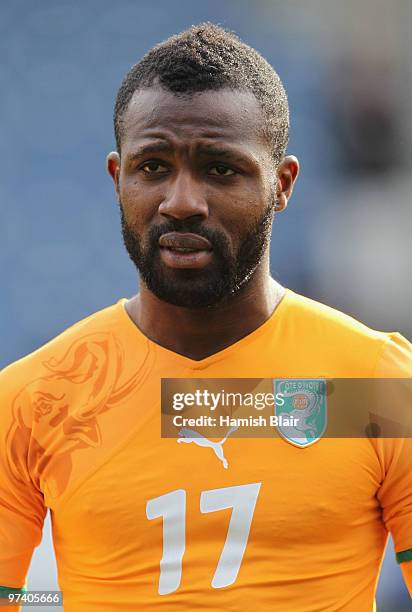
x,y
208,287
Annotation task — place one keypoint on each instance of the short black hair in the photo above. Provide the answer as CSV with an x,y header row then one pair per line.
x,y
204,57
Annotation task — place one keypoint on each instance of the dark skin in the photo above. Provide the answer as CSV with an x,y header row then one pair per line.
x,y
226,191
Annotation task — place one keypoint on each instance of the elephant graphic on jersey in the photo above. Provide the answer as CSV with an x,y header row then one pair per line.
x,y
57,413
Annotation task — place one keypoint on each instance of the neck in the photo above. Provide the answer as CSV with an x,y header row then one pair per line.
x,y
197,333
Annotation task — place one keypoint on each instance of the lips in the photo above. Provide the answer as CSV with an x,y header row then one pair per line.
x,y
180,250
178,240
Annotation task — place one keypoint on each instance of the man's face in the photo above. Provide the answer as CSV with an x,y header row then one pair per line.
x,y
195,164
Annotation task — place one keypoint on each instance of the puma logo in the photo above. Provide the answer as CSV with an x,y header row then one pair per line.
x,y
190,435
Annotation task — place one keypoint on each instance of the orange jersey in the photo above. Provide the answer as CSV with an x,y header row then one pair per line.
x,y
142,522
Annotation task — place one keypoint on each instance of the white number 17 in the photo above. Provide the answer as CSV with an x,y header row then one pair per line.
x,y
172,508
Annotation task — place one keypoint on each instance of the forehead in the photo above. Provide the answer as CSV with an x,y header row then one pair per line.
x,y
226,115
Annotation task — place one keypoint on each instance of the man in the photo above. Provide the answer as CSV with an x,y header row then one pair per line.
x,y
141,522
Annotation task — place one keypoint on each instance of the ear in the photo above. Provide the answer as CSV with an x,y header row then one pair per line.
x,y
113,168
287,174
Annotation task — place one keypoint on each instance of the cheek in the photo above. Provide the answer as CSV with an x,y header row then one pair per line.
x,y
247,213
253,201
139,205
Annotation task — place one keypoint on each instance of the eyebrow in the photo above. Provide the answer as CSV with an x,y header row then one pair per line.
x,y
209,150
224,153
153,147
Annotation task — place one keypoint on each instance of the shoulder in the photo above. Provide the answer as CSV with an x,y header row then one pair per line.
x,y
96,327
51,401
322,318
395,359
330,330
72,376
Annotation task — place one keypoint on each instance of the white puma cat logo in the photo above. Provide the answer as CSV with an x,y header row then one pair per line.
x,y
190,435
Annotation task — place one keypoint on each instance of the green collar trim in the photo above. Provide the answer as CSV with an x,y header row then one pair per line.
x,y
404,555
5,591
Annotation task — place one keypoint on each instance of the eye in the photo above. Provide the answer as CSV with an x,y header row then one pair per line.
x,y
221,170
153,167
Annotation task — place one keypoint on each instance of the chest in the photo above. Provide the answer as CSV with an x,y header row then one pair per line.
x,y
284,493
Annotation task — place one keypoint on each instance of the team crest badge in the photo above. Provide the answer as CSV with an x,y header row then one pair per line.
x,y
301,409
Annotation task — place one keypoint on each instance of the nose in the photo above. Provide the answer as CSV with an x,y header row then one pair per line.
x,y
184,198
